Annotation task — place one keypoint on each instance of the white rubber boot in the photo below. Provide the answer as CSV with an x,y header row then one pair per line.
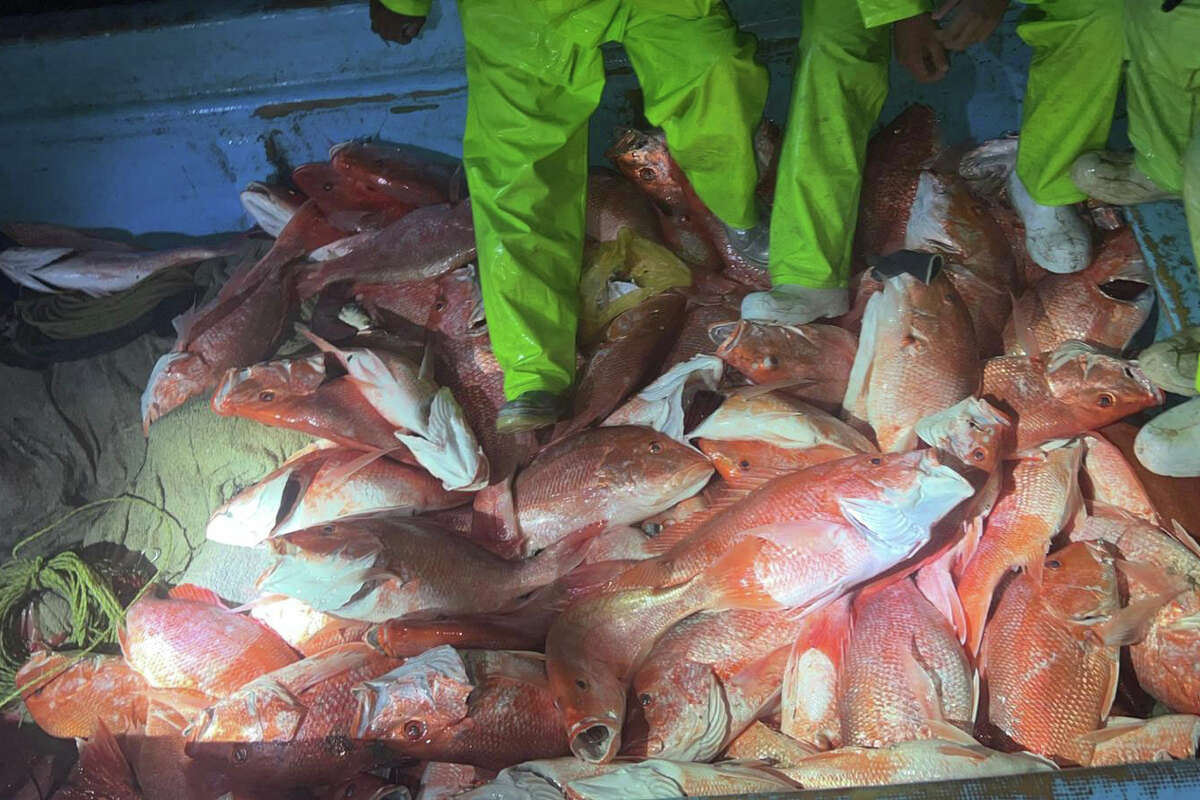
x,y
1113,178
788,304
1169,444
1171,363
1057,238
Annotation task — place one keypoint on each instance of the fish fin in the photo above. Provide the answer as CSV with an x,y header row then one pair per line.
x,y
196,594
184,322
494,519
961,750
1186,539
1023,328
1110,731
937,585
1128,626
449,449
425,370
882,522
940,729
344,472
920,682
854,402
732,578
101,759
1153,579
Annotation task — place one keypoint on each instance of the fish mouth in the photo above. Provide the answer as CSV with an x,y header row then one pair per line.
x,y
595,740
726,335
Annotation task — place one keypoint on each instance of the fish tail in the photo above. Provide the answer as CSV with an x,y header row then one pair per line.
x,y
937,585
449,449
975,596
101,759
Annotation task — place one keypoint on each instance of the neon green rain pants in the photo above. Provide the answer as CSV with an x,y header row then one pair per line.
x,y
1162,87
840,84
535,74
1071,92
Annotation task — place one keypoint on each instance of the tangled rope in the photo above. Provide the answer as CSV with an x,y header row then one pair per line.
x,y
96,615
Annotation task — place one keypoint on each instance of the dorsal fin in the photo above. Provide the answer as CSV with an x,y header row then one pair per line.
x,y
196,594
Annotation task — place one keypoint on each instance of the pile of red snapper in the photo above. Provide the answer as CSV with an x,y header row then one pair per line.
x,y
881,549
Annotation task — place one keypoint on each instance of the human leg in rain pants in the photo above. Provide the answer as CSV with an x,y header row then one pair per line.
x,y
1074,77
840,84
535,74
1162,88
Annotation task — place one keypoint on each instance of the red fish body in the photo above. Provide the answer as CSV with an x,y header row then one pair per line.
x,y
96,689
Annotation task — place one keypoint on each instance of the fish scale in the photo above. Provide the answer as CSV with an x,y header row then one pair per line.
x,y
881,701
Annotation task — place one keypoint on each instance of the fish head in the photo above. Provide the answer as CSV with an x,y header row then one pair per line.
x,y
1098,388
643,158
1080,583
337,193
684,711
176,378
325,566
404,172
589,693
458,306
251,515
271,205
648,469
972,431
256,392
416,702
757,351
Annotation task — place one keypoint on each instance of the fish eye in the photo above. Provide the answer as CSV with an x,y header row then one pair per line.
x,y
328,186
351,790
581,683
978,454
655,447
240,754
1105,400
647,174
645,699
1053,563
266,395
877,461
744,464
326,529
439,305
770,362
414,729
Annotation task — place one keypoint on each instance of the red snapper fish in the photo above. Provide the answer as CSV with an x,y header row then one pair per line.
x,y
1038,497
971,433
811,362
613,204
755,556
294,726
346,202
1068,391
689,228
381,567
595,480
421,245
323,485
95,689
305,629
916,357
1055,645
658,778
198,644
378,391
634,346
903,669
400,172
1103,306
271,205
486,708
707,679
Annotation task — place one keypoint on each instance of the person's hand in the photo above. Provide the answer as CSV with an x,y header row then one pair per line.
x,y
973,22
919,49
393,27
